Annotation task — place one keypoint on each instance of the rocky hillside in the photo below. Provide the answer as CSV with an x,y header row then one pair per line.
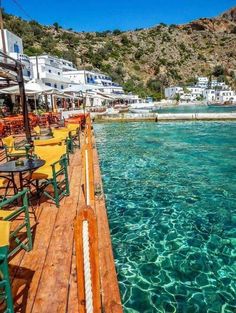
x,y
143,60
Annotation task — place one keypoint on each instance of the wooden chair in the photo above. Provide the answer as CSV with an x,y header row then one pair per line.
x,y
64,133
7,214
74,131
37,130
5,285
10,148
2,129
5,183
49,174
43,121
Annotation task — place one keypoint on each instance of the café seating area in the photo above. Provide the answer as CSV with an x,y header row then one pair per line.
x,y
36,180
14,124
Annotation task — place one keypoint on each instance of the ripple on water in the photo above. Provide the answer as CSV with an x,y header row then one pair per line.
x,y
171,199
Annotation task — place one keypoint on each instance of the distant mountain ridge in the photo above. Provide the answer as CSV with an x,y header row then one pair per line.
x,y
143,60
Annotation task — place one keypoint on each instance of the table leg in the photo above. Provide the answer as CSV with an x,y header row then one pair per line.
x,y
21,181
14,183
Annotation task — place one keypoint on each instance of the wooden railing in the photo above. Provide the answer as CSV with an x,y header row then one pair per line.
x,y
86,235
87,157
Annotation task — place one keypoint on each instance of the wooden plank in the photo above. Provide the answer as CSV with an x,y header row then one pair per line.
x,y
94,259
33,262
54,283
73,305
73,302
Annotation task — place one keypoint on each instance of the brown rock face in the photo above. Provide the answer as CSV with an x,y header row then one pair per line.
x,y
230,15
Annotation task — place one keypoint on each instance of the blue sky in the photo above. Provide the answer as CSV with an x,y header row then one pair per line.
x,y
99,15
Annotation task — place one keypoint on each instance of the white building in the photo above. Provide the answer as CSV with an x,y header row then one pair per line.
x,y
202,82
196,92
223,96
66,65
50,70
171,92
209,94
94,81
14,48
221,85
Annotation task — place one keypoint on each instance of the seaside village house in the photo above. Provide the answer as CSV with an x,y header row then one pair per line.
x,y
98,87
49,70
209,91
14,48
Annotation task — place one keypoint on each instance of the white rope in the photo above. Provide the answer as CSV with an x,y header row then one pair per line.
x,y
87,178
87,270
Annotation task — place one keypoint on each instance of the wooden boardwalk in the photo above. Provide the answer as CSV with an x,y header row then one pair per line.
x,y
45,279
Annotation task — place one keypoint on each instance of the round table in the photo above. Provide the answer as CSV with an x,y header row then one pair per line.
x,y
29,165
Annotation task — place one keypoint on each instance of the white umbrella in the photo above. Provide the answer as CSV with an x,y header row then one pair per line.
x,y
32,87
38,87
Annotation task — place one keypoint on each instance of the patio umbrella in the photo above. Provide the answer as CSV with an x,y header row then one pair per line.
x,y
32,87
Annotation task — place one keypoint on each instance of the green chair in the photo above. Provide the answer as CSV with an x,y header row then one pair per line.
x,y
5,286
4,185
74,134
10,215
64,134
53,173
12,151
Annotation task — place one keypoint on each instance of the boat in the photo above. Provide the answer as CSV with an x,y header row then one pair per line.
x,y
221,105
144,111
142,107
112,111
122,108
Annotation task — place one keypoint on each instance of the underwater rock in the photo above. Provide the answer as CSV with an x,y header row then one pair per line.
x,y
202,279
149,269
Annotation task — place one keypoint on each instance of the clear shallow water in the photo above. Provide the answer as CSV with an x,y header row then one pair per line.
x,y
171,199
197,109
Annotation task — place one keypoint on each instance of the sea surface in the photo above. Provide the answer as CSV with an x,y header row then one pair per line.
x,y
197,109
171,198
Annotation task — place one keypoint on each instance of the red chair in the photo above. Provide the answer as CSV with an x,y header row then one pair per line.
x,y
43,121
2,129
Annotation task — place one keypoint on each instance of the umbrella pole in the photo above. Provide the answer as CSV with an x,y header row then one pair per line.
x,y
35,104
20,80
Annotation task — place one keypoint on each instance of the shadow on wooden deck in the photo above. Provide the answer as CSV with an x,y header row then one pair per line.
x,y
44,279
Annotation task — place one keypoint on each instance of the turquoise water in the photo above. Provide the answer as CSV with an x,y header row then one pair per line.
x,y
197,109
171,199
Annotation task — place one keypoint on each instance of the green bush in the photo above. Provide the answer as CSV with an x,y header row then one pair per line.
x,y
154,85
218,71
117,32
138,54
124,40
31,51
136,67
